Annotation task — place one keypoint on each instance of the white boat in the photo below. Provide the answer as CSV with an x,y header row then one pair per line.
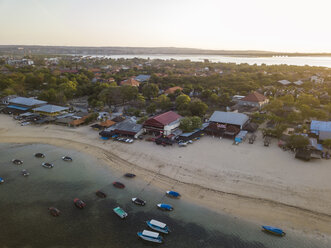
x,y
150,236
158,226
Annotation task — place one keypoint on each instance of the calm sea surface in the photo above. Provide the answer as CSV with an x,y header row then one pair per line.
x,y
25,221
301,61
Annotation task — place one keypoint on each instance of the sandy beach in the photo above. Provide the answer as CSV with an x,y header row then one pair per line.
x,y
261,184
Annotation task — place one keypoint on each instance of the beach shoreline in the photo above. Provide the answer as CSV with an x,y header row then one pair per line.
x,y
228,191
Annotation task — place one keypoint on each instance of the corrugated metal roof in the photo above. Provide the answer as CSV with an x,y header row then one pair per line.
x,y
142,78
284,82
229,118
49,108
26,101
321,126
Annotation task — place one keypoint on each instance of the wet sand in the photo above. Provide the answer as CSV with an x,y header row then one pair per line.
x,y
259,184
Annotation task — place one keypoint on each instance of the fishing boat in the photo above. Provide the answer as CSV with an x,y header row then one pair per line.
x,y
150,236
101,194
158,226
120,212
54,211
130,175
165,206
47,165
273,230
25,173
17,161
119,185
138,201
2,180
67,158
39,155
79,203
173,194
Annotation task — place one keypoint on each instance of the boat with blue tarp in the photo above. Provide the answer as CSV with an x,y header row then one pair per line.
x,y
173,194
158,226
273,230
165,206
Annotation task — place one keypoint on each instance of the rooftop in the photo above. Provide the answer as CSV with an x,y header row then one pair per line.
x,y
229,118
26,101
165,118
173,90
321,126
130,82
49,108
254,97
142,78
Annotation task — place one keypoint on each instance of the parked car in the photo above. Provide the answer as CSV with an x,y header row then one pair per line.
x,y
25,123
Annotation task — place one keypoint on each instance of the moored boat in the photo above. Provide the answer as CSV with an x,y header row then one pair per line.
x,y
17,161
101,194
67,158
79,203
47,165
54,211
173,194
130,175
39,155
150,236
120,212
25,173
165,206
138,201
273,230
119,185
158,226
2,180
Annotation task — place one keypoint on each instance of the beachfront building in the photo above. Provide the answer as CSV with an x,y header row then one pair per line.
x,y
254,99
165,123
172,90
322,129
127,128
226,124
50,110
19,105
130,82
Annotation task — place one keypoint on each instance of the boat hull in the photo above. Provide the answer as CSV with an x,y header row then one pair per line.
x,y
158,229
154,240
274,231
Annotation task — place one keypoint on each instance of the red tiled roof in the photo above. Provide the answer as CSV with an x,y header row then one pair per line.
x,y
173,90
254,97
162,119
131,82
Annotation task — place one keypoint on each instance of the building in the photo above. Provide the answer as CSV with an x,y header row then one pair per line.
x,y
127,127
50,110
20,62
254,99
142,78
165,123
321,128
284,82
130,82
172,90
19,105
226,124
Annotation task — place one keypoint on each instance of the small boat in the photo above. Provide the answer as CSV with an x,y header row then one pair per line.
x,y
150,236
39,155
17,161
67,158
79,203
119,185
165,206
273,230
47,165
101,194
2,180
173,194
158,226
120,212
54,211
138,201
25,173
130,175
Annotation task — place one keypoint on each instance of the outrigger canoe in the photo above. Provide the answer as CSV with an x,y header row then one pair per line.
x,y
119,185
150,236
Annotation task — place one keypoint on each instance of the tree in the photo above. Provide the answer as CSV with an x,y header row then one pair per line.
x,y
182,102
298,141
151,108
309,100
214,98
163,102
150,90
198,108
188,124
225,99
128,93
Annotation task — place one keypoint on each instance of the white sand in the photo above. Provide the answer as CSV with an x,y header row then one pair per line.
x,y
261,184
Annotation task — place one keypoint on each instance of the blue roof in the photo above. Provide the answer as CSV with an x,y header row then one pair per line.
x,y
49,108
142,78
26,101
321,126
17,107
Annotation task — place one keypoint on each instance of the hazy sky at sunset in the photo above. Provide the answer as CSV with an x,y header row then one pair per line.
x,y
277,25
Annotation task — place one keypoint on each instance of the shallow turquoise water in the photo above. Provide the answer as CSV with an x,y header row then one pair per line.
x,y
25,221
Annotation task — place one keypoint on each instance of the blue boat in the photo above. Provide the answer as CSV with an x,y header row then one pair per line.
x,y
165,206
158,226
173,194
2,180
150,236
273,230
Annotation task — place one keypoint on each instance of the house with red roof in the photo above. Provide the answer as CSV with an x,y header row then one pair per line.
x,y
172,90
165,123
130,82
254,99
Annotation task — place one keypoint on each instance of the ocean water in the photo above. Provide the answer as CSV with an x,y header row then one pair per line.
x,y
25,221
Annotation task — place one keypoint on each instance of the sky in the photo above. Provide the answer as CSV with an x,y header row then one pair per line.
x,y
270,25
